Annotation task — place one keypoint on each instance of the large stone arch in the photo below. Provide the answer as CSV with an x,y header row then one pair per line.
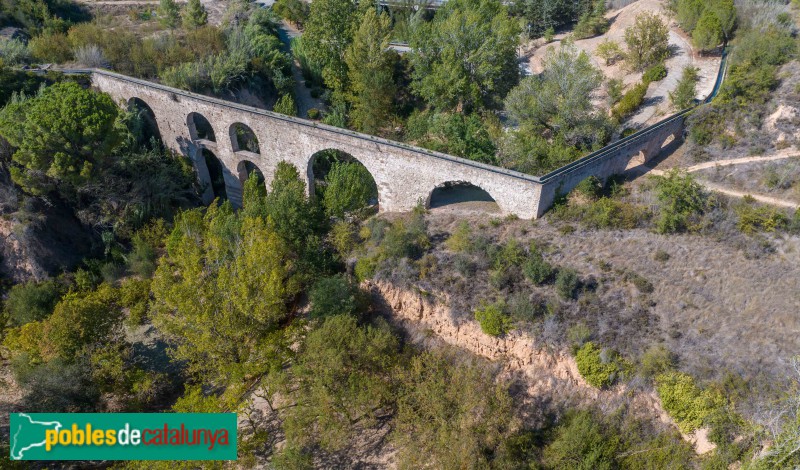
x,y
462,193
245,168
313,178
148,119
200,128
243,138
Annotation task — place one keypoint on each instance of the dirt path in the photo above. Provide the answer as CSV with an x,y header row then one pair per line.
x,y
302,94
657,99
741,161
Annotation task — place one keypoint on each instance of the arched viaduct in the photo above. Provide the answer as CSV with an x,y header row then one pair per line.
x,y
405,175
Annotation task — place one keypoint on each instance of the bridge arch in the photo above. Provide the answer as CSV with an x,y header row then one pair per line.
x,y
322,162
199,127
216,173
148,132
463,194
245,168
243,138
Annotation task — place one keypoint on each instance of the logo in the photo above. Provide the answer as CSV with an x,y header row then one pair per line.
x,y
123,436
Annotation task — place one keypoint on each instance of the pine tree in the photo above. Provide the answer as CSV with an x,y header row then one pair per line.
x,y
194,15
168,13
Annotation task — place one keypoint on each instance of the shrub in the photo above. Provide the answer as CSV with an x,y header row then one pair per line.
x,y
493,320
510,254
365,268
52,48
134,294
461,239
343,237
286,105
336,295
405,240
32,301
630,101
682,200
759,218
521,307
686,403
642,284
14,52
661,256
655,73
578,335
536,269
656,360
590,188
598,366
567,283
91,56
313,113
612,214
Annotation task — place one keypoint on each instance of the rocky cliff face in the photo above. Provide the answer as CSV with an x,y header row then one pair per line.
x,y
551,376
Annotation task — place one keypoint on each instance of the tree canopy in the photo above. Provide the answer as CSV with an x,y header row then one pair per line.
x,y
466,58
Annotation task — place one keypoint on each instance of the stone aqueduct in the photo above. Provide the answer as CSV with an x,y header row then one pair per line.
x,y
405,175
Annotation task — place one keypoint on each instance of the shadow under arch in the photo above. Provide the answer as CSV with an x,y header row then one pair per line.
x,y
320,166
200,127
216,173
145,123
243,138
245,168
462,195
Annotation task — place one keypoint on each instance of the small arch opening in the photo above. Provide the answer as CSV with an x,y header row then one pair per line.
x,y
245,168
668,141
462,196
342,183
144,125
216,172
243,138
200,128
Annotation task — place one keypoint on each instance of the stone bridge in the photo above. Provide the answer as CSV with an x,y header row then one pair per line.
x,y
405,175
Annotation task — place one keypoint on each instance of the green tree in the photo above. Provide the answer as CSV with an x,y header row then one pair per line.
x,y
584,443
293,11
341,380
169,13
560,98
194,15
684,94
610,51
286,105
465,59
337,295
371,66
688,13
647,41
450,415
682,199
222,293
350,189
61,136
708,34
328,34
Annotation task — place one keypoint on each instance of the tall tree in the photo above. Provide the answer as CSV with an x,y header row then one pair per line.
x,y
168,13
647,40
329,31
194,15
708,33
60,137
466,58
370,70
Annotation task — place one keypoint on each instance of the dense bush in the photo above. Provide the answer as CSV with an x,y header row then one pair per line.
x,y
686,403
337,295
453,133
600,367
682,201
32,301
536,269
492,319
630,102
753,218
350,189
460,241
655,73
567,283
